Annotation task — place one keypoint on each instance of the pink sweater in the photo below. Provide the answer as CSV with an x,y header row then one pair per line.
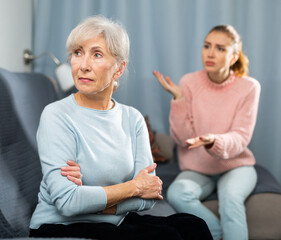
x,y
228,110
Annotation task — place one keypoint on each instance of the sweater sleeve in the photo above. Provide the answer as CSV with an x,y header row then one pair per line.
x,y
234,142
143,158
181,120
56,145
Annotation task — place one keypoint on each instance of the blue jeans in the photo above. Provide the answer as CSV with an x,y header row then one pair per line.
x,y
233,187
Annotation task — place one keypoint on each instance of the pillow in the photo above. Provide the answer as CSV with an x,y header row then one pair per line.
x,y
162,145
167,146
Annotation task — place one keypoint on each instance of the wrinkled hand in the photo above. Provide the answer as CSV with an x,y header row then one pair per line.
x,y
204,140
72,172
148,186
168,85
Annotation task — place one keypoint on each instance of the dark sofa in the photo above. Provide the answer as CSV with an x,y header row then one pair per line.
x,y
22,99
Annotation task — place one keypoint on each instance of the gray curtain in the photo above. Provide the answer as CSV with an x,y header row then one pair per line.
x,y
167,35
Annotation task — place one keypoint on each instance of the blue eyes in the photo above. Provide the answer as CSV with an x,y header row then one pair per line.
x,y
221,49
78,53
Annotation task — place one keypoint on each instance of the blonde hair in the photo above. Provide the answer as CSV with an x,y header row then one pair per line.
x,y
240,67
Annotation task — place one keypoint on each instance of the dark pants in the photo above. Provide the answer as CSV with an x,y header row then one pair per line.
x,y
134,226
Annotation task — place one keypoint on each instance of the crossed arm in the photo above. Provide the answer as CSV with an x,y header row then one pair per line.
x,y
144,185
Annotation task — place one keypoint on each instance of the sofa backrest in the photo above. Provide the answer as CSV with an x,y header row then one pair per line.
x,y
23,96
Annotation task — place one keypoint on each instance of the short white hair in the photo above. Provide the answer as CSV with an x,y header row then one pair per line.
x,y
115,35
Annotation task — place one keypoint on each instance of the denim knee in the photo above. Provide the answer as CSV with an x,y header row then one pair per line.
x,y
179,193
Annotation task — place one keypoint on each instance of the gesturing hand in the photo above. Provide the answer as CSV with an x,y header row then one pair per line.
x,y
148,186
204,140
72,172
168,85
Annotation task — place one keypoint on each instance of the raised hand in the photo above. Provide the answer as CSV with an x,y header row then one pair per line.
x,y
168,85
204,140
72,172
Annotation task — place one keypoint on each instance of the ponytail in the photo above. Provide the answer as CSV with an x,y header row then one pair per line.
x,y
240,67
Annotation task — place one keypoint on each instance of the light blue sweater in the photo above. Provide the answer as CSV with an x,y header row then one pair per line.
x,y
111,146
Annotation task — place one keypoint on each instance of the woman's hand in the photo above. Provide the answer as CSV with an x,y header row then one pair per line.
x,y
168,85
204,140
72,172
148,186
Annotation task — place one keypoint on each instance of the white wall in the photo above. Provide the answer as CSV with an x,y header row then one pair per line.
x,y
15,32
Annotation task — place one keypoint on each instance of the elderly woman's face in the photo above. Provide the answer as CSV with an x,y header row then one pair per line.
x,y
93,67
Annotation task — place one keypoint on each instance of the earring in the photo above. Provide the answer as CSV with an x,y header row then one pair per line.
x,y
115,84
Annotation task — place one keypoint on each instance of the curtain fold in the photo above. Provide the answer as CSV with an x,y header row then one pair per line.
x,y
167,35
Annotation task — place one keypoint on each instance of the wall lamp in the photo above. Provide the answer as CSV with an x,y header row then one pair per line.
x,y
63,70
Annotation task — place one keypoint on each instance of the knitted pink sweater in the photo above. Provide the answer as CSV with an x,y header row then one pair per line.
x,y
228,110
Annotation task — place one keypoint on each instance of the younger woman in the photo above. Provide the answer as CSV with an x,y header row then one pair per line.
x,y
212,119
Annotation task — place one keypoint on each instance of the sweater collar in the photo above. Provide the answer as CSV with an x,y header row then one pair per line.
x,y
227,82
115,107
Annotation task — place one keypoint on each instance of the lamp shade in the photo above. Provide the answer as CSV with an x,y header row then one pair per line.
x,y
64,76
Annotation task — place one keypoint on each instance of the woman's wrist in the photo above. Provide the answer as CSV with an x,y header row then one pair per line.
x,y
177,97
133,186
120,192
110,210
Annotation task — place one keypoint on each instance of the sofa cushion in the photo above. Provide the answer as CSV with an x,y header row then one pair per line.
x,y
20,170
6,231
155,148
29,94
166,145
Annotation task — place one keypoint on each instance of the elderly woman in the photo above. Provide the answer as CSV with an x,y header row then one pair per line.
x,y
110,143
